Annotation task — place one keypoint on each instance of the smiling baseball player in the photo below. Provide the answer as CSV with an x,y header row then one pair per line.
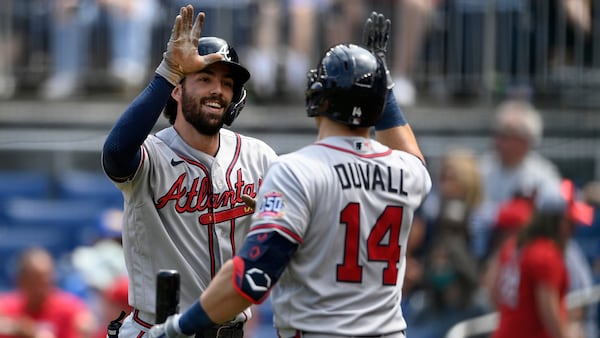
x,y
332,219
183,185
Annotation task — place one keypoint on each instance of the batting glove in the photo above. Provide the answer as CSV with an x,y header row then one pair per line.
x,y
181,56
376,34
170,329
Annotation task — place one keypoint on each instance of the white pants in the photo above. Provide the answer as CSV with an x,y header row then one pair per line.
x,y
297,334
135,325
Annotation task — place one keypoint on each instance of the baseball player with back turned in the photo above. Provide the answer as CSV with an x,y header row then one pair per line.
x,y
329,232
183,186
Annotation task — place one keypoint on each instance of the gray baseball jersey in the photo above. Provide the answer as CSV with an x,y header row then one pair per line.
x,y
183,211
349,204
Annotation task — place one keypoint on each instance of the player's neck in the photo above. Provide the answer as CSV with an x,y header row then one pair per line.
x,y
208,144
329,128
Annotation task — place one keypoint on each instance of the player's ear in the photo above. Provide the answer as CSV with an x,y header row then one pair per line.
x,y
176,93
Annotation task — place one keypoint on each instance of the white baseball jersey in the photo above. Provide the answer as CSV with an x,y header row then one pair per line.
x,y
183,211
349,204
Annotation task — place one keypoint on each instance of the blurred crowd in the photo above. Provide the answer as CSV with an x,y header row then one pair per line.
x,y
479,203
68,48
70,295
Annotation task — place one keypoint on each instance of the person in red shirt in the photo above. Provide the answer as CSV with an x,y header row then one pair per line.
x,y
530,281
37,308
114,299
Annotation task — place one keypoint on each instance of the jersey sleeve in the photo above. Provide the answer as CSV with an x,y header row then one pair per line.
x,y
282,203
422,173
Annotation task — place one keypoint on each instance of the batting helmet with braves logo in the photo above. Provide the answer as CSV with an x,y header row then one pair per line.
x,y
349,86
208,45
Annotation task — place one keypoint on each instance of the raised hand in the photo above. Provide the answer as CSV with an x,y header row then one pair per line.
x,y
181,57
376,34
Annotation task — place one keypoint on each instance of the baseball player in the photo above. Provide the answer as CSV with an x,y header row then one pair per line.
x,y
183,185
329,232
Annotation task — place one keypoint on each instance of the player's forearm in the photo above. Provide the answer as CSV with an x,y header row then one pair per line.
x,y
221,301
400,138
122,146
394,131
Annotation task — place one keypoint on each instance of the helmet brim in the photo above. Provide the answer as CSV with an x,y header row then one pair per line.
x,y
240,74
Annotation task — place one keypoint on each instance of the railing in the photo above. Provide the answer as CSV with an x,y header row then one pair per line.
x,y
489,48
487,323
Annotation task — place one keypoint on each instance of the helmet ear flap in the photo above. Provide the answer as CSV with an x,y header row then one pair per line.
x,y
235,107
313,94
314,98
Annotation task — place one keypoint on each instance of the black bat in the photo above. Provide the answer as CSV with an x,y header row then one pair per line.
x,y
167,294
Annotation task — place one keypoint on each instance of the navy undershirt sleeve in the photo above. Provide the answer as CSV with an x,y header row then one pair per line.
x,y
392,114
121,153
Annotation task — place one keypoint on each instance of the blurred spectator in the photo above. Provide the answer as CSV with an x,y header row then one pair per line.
x,y
450,277
591,193
512,167
285,40
578,266
114,299
516,214
37,308
101,265
412,19
253,26
570,38
579,13
227,19
517,38
581,279
102,262
264,54
530,277
10,44
130,24
512,216
505,42
287,36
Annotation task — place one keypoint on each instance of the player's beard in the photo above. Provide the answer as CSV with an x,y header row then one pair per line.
x,y
206,123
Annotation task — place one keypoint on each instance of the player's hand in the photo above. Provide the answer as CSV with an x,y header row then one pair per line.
x,y
249,201
376,34
166,330
181,57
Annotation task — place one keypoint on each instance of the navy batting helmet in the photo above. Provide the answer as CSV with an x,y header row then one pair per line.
x,y
349,86
209,45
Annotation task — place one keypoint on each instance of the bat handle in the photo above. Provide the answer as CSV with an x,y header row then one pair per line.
x,y
167,294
